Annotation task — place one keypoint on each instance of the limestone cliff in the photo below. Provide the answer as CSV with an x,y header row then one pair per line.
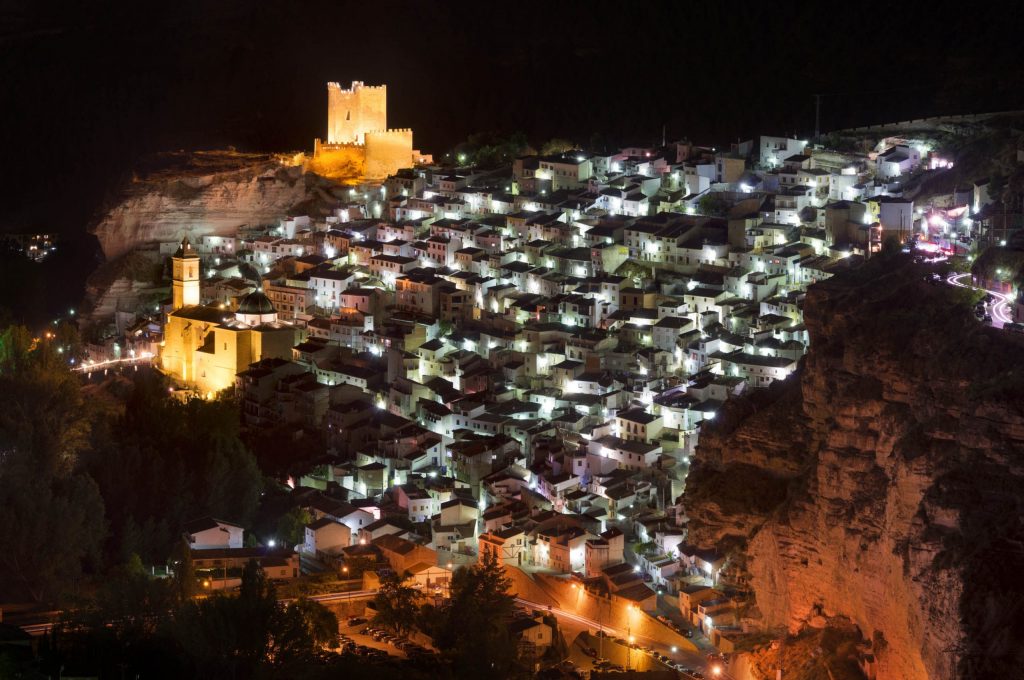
x,y
883,482
203,193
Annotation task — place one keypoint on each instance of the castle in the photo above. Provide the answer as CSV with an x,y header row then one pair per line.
x,y
205,346
359,144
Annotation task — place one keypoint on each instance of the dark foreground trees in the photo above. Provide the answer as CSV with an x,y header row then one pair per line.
x,y
53,520
164,463
471,629
82,487
396,603
141,626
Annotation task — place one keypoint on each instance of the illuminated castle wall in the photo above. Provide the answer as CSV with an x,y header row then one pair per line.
x,y
354,112
359,144
388,151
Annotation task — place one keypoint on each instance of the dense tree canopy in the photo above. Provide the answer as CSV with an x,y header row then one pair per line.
x,y
397,604
53,513
165,462
471,629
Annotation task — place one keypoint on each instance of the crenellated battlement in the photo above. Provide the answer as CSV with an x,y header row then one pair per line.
x,y
356,86
359,140
352,112
391,131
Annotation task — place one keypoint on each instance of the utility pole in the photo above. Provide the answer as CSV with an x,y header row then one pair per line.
x,y
817,116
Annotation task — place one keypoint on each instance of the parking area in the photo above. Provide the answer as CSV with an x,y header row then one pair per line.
x,y
359,637
608,653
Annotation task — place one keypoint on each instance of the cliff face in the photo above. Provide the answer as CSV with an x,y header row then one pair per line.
x,y
884,483
205,193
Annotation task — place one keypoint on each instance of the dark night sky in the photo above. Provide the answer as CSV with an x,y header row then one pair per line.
x,y
90,86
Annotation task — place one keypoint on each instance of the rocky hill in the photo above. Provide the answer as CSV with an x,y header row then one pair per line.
x,y
207,192
884,482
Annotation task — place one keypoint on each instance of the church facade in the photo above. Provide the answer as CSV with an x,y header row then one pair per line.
x,y
205,346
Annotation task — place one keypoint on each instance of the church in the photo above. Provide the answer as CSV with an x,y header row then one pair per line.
x,y
205,347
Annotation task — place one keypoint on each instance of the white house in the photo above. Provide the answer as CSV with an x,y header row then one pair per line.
x,y
326,536
207,533
897,160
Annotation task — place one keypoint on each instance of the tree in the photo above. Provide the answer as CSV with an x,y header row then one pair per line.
x,y
227,636
556,145
713,205
291,527
473,630
163,463
53,513
129,602
396,603
184,571
559,648
301,629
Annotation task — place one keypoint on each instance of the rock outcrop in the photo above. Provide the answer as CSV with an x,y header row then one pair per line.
x,y
203,193
884,482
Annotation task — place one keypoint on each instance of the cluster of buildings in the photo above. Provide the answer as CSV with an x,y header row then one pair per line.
x,y
519,361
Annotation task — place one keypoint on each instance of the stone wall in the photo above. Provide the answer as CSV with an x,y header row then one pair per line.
x,y
387,152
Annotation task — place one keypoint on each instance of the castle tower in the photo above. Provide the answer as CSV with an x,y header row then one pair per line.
x,y
184,276
353,112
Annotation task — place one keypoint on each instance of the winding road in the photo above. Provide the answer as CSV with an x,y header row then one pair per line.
x,y
1000,309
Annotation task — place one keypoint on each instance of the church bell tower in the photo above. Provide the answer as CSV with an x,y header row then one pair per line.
x,y
185,276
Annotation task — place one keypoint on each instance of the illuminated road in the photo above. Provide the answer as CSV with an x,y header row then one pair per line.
x,y
689,659
1000,310
90,366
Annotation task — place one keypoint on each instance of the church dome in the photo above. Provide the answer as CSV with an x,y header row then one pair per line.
x,y
256,304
